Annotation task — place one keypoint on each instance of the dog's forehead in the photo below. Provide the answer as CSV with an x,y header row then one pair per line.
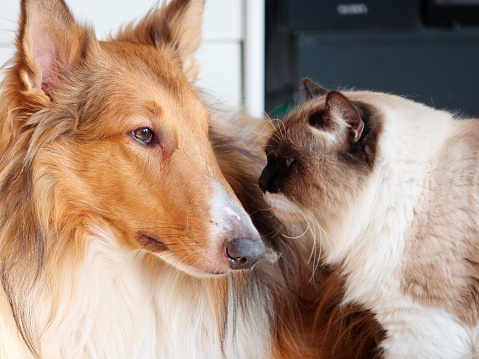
x,y
140,65
144,75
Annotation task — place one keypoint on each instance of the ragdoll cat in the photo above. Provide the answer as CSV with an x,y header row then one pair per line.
x,y
391,188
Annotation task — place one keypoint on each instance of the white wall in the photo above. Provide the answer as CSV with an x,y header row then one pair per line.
x,y
227,49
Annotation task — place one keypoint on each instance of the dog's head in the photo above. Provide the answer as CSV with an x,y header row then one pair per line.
x,y
116,136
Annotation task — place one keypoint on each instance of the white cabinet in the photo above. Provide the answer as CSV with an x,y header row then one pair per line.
x,y
8,24
5,53
221,55
231,57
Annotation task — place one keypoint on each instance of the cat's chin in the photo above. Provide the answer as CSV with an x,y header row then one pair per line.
x,y
283,208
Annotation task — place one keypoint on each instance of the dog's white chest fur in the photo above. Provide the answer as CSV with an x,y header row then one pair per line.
x,y
121,311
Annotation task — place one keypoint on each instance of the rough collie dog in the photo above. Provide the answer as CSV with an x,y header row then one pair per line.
x,y
112,201
120,233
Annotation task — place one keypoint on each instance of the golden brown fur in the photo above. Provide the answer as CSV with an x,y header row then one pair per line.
x,y
69,166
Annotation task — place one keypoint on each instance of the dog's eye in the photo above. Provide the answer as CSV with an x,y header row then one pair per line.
x,y
143,134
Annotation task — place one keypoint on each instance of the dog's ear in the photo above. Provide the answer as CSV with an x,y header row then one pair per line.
x,y
49,43
177,25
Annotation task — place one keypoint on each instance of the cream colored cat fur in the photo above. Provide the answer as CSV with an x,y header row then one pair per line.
x,y
391,188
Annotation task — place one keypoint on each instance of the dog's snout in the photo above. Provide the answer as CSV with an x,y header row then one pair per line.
x,y
239,242
243,253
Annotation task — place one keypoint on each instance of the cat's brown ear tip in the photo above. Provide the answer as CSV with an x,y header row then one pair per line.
x,y
311,89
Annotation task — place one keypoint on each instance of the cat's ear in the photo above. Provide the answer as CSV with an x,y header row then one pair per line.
x,y
178,25
49,43
339,108
311,89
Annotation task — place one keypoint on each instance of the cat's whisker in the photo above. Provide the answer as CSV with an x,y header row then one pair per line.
x,y
280,128
278,134
315,257
280,122
310,228
270,121
262,209
280,229
301,235
284,128
316,260
276,137
263,132
322,231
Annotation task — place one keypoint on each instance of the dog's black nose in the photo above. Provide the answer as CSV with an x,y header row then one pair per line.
x,y
243,253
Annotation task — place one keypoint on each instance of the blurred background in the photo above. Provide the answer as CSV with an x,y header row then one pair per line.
x,y
426,50
255,52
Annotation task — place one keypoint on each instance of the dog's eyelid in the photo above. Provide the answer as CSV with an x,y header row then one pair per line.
x,y
143,135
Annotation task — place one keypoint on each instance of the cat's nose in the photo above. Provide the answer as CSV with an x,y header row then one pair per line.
x,y
264,184
267,180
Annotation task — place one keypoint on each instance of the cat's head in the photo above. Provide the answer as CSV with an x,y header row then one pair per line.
x,y
321,155
342,161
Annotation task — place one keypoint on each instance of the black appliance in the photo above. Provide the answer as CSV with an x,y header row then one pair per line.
x,y
451,12
396,46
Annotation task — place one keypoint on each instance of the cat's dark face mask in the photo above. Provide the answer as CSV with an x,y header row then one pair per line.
x,y
322,152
